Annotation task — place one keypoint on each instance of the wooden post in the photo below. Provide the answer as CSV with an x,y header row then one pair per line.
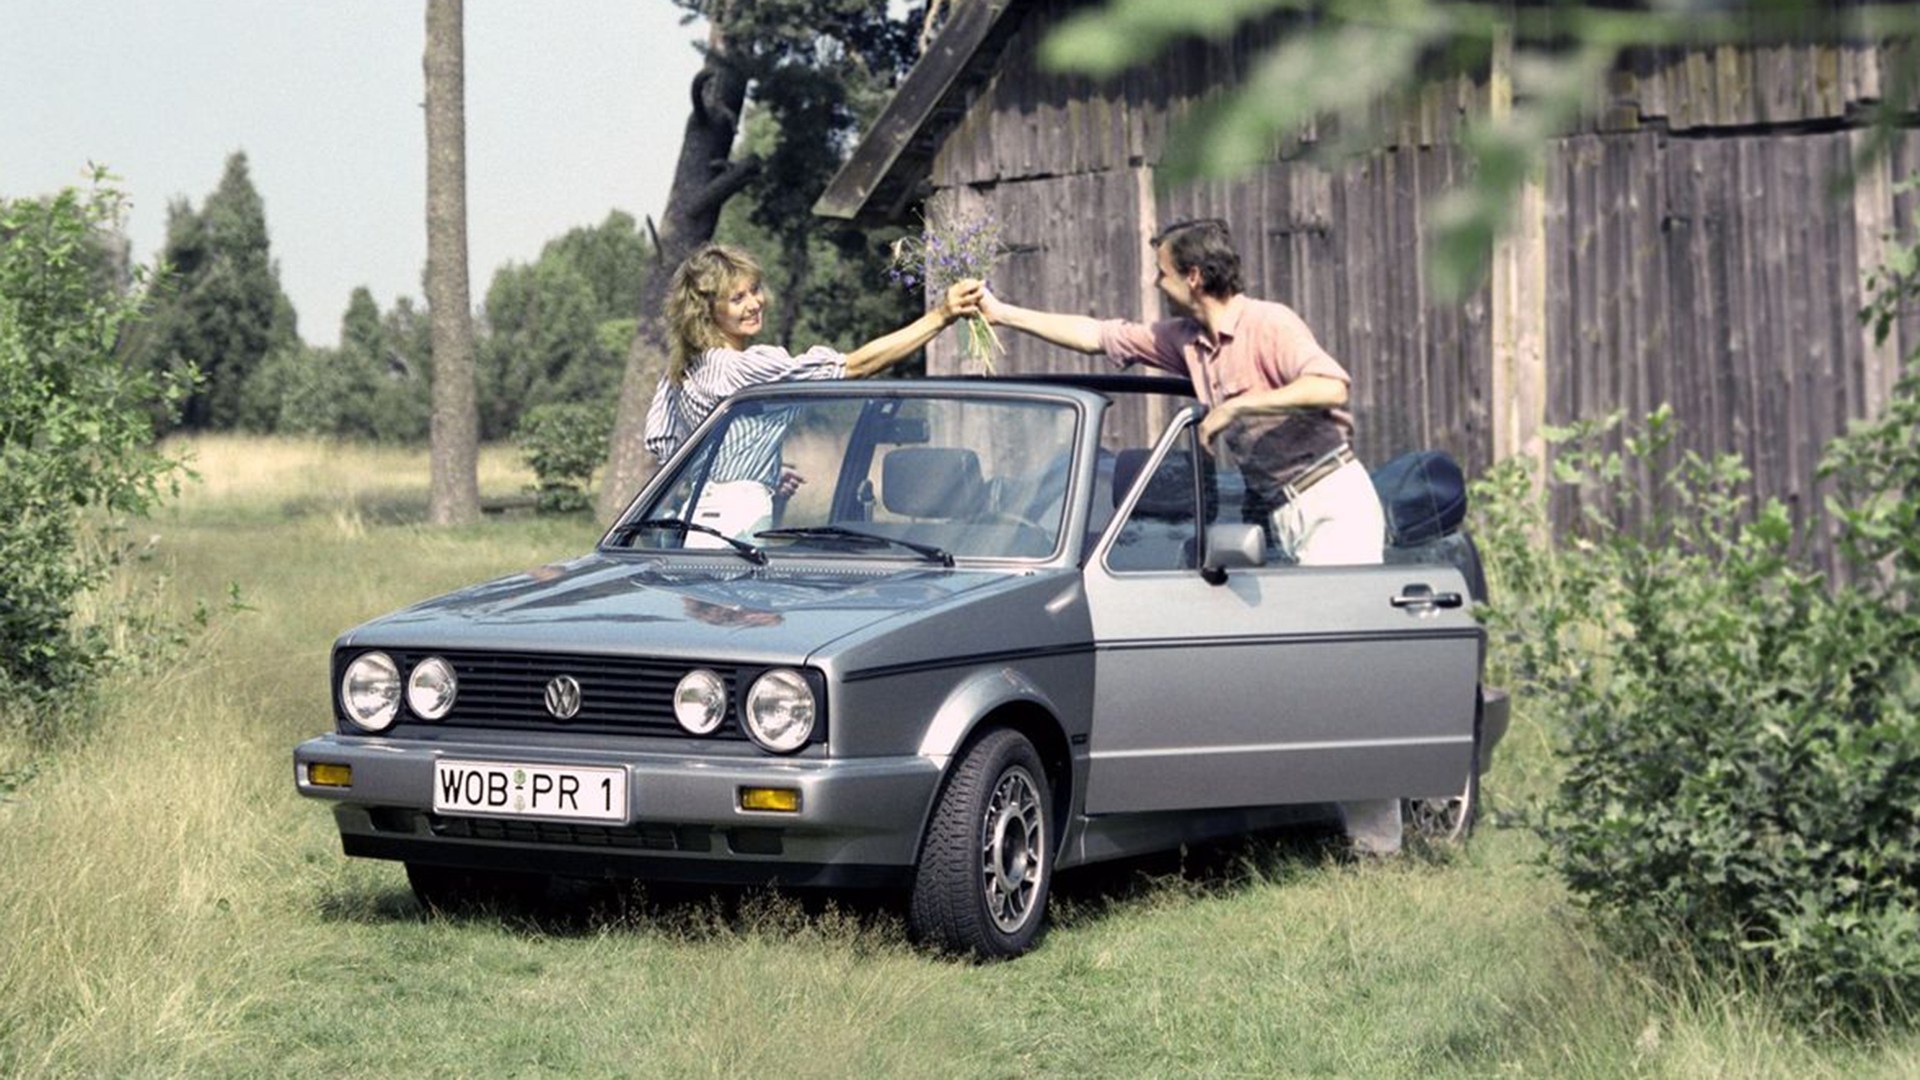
x,y
1147,222
1519,287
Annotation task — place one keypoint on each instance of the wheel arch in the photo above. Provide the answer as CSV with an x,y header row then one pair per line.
x,y
1003,699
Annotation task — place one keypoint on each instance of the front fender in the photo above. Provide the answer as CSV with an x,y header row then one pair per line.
x,y
972,700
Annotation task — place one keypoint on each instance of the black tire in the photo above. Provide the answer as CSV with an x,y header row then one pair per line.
x,y
454,889
973,893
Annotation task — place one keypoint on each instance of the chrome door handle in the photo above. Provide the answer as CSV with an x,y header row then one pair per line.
x,y
1420,596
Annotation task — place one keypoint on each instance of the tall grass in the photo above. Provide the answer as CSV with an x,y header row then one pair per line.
x,y
168,906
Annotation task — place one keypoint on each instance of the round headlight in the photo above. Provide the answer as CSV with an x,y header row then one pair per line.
x,y
700,701
431,687
780,710
370,691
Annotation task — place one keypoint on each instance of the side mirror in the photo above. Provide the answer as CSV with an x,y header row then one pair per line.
x,y
1230,546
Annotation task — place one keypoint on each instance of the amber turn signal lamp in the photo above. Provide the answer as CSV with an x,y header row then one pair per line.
x,y
325,774
778,799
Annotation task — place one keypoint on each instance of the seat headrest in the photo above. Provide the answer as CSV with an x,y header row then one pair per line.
x,y
1168,495
932,482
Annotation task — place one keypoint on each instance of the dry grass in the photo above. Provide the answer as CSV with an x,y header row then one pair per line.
x,y
302,474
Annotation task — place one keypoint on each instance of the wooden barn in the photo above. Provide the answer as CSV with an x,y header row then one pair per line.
x,y
1685,244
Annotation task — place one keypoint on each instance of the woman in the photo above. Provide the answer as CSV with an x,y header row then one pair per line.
x,y
714,308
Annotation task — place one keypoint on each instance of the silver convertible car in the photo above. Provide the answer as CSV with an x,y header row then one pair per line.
x,y
979,642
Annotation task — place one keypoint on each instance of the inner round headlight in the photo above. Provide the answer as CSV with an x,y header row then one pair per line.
x,y
431,688
780,710
700,701
370,691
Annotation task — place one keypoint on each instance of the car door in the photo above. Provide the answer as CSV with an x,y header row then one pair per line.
x,y
1280,684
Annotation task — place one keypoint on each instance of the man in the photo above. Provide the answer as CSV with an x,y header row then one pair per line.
x,y
1275,395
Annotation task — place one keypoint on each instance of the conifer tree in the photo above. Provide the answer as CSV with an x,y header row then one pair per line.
x,y
222,309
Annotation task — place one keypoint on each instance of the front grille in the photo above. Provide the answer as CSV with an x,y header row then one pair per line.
x,y
618,695
640,837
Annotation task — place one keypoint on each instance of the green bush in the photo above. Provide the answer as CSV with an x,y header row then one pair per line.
x,y
1741,737
309,390
563,443
76,439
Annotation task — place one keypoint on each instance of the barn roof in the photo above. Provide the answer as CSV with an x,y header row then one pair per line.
x,y
889,168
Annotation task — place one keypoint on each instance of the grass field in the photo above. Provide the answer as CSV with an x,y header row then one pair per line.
x,y
169,907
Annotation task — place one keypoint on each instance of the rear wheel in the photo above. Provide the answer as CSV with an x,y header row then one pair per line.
x,y
1446,820
987,861
455,889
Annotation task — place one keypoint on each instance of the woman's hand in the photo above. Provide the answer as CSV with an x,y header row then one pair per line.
x,y
962,299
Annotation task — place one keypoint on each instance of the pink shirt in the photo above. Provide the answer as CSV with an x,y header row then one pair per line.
x,y
1264,346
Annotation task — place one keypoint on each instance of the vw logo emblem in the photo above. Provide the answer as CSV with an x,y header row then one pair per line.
x,y
563,697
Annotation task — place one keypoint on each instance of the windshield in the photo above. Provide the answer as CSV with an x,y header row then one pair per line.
x,y
931,478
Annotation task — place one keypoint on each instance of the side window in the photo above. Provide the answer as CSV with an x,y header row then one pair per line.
x,y
1162,533
1231,500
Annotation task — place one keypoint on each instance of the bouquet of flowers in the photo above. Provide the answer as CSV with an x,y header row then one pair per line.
x,y
946,253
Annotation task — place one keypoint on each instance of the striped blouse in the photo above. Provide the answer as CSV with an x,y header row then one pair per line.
x,y
752,449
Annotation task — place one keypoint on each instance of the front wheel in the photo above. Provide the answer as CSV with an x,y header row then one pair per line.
x,y
987,861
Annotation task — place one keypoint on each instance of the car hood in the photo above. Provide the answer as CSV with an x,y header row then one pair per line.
x,y
673,606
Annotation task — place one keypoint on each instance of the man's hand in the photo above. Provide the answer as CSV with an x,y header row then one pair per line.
x,y
962,299
990,307
1217,420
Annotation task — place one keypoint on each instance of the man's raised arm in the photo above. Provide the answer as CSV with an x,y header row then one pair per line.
x,y
1078,332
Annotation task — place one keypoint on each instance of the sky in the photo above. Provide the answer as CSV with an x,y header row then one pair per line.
x,y
574,108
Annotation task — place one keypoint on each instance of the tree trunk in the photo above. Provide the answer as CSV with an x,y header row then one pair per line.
x,y
454,492
799,258
703,181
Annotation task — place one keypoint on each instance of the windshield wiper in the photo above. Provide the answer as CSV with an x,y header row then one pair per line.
x,y
747,551
837,532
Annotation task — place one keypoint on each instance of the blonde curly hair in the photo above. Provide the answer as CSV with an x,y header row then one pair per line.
x,y
707,275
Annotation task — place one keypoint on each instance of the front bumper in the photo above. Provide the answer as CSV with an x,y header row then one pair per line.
x,y
859,820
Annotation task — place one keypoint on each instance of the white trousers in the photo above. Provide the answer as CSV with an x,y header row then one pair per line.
x,y
1338,522
738,508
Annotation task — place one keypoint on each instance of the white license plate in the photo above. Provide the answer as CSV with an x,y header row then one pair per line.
x,y
517,790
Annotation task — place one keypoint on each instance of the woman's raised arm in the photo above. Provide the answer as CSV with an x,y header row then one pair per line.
x,y
962,299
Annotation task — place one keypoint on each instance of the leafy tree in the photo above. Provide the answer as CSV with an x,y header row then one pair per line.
x,y
557,328
1338,57
75,438
453,496
222,309
805,62
364,389
543,344
612,256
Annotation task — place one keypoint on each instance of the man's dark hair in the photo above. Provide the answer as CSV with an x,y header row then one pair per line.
x,y
1204,244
